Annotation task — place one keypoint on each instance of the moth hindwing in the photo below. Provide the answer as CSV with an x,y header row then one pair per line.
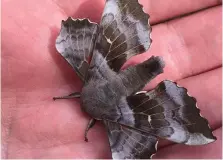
x,y
134,120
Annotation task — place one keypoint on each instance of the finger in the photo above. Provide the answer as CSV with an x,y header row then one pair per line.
x,y
180,151
206,88
160,10
82,8
189,46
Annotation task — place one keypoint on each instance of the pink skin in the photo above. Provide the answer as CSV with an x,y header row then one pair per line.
x,y
34,126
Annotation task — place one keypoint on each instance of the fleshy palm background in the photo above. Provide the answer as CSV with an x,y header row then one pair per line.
x,y
186,33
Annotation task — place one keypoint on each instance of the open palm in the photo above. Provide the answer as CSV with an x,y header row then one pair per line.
x,y
34,126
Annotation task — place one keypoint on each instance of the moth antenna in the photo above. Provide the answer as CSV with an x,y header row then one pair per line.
x,y
70,96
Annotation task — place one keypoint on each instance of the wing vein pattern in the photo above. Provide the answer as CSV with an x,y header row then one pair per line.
x,y
124,32
167,112
127,143
76,43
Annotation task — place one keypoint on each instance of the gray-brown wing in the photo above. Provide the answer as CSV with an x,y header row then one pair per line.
x,y
125,32
168,112
127,143
76,43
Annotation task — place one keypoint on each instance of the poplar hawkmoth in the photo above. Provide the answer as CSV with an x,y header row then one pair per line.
x,y
134,119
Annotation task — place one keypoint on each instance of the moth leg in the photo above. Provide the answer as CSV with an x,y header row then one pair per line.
x,y
89,126
70,96
136,77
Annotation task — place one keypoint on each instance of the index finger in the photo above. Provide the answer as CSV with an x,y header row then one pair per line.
x,y
161,10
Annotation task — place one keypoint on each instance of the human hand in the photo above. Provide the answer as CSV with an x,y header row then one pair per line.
x,y
34,126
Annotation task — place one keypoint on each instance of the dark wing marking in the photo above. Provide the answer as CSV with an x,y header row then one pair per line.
x,y
127,143
168,112
125,32
76,42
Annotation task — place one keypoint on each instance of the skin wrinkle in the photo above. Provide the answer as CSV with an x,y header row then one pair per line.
x,y
75,106
25,31
61,8
11,125
59,144
26,106
181,41
40,142
178,16
200,73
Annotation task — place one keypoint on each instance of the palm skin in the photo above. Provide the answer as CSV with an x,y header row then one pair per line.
x,y
34,126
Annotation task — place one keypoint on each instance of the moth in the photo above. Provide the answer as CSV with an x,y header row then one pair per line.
x,y
134,119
